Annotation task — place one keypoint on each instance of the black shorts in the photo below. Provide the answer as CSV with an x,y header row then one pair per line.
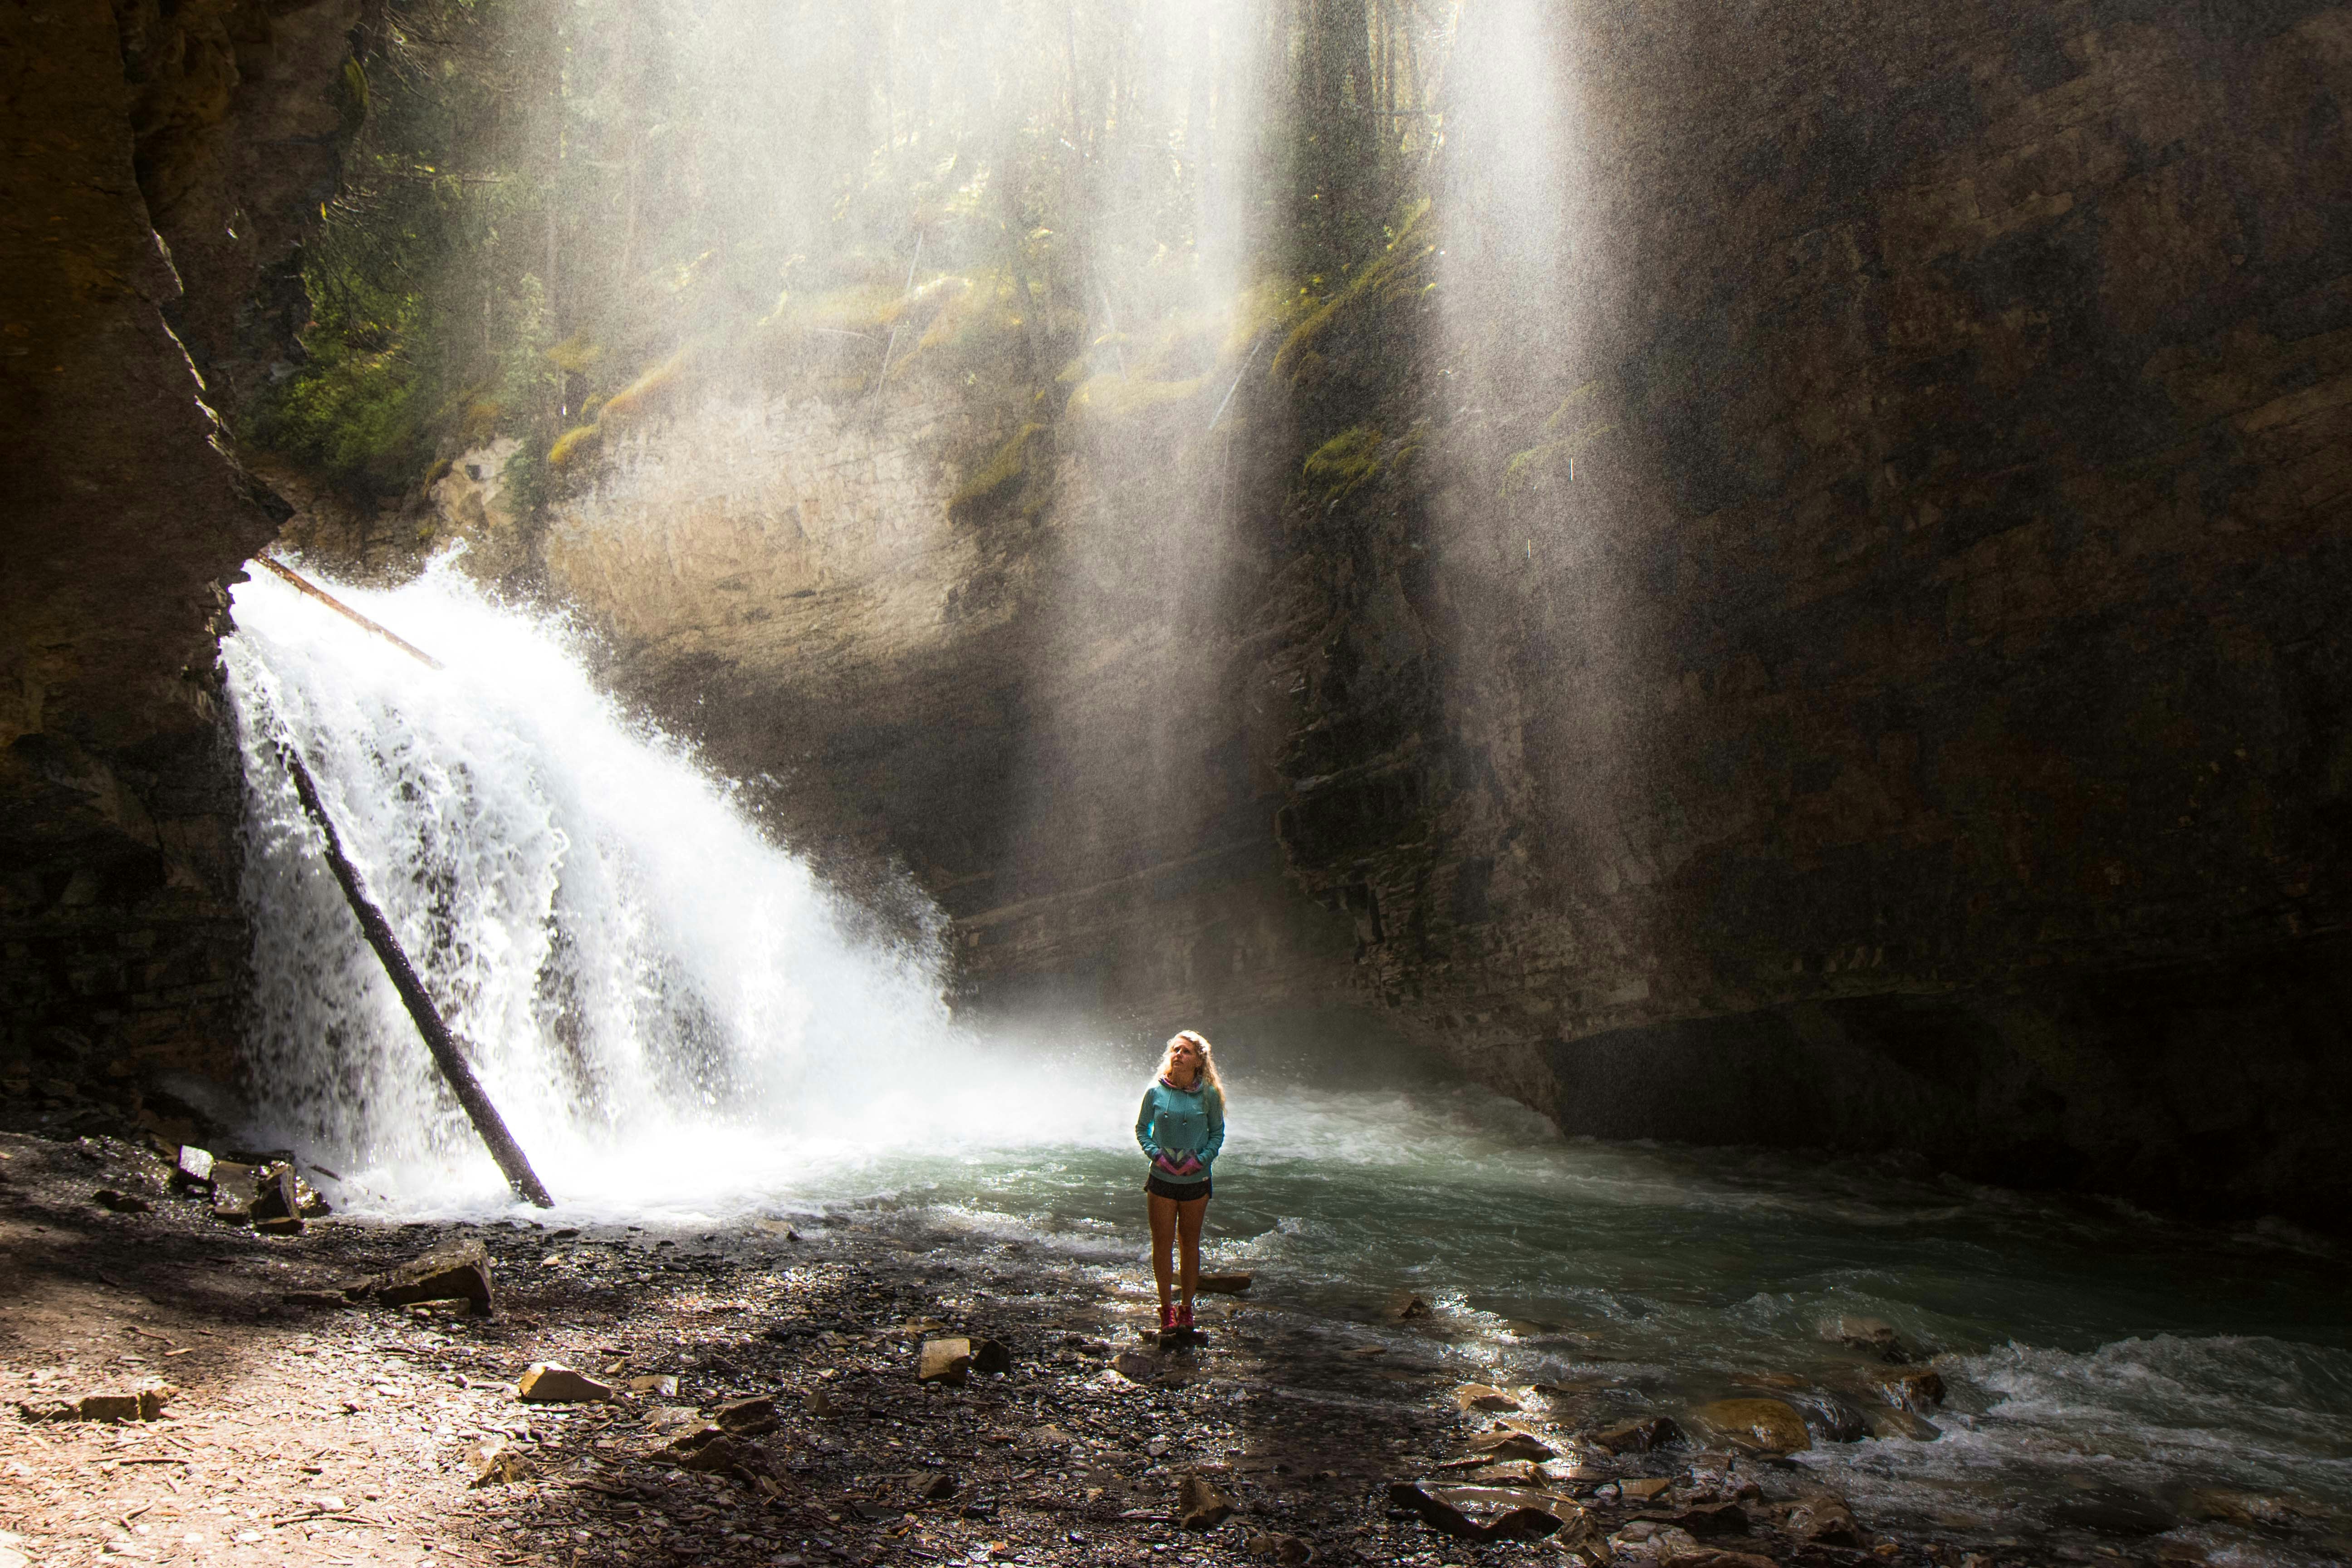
x,y
1183,1191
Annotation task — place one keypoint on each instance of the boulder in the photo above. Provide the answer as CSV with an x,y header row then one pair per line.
x,y
1829,1418
944,1361
552,1383
234,1191
1759,1425
120,1203
1872,1334
457,1272
751,1417
1637,1437
1889,1422
1919,1390
1482,1396
1222,1284
1825,1519
1136,1367
1200,1506
1486,1513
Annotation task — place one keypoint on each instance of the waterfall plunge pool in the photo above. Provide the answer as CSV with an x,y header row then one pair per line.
x,y
684,1026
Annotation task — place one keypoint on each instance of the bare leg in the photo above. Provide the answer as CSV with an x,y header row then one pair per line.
x,y
1188,1230
1163,1238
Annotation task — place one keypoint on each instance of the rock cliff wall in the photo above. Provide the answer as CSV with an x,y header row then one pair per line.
x,y
1924,721
1919,719
159,161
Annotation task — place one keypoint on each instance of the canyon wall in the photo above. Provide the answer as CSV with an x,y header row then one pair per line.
x,y
1854,661
159,163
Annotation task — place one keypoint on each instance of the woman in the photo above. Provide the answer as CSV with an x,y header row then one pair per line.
x,y
1181,1126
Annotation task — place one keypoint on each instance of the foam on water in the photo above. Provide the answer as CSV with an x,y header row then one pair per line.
x,y
683,1024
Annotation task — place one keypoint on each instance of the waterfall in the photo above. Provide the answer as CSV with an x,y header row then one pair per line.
x,y
666,1006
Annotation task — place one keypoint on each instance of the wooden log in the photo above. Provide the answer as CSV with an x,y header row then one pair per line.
x,y
446,1055
306,586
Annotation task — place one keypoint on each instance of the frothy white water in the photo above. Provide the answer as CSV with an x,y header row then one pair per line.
x,y
669,1009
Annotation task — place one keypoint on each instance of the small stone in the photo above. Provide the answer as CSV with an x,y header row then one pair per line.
x,y
1759,1425
458,1272
1482,1396
944,1361
1286,1551
1222,1284
552,1383
934,1486
819,1404
494,1462
1200,1506
661,1385
108,1407
120,1203
1642,1488
1639,1436
990,1356
722,1454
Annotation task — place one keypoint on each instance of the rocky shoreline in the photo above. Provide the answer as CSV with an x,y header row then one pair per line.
x,y
755,1395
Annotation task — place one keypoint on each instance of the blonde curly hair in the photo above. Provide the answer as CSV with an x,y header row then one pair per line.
x,y
1208,1058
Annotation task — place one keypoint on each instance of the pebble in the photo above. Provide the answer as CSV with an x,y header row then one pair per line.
x,y
552,1383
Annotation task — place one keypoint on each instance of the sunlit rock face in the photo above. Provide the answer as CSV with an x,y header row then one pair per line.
x,y
159,161
1922,722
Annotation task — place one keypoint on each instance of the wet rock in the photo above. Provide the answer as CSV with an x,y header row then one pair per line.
x,y
944,1361
1222,1284
1639,1436
1872,1334
552,1383
1136,1367
494,1461
193,1167
1759,1425
275,1200
1486,1513
751,1417
457,1272
1714,1557
1824,1518
1510,1444
1888,1423
120,1203
1285,1551
2241,1507
1482,1396
1406,1307
1709,1519
1829,1418
2111,1510
1199,1505
234,1189
1642,1488
1919,1390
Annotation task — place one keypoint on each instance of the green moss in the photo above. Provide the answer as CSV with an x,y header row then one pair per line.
x,y
1573,425
1115,397
1397,274
574,445
995,482
1344,463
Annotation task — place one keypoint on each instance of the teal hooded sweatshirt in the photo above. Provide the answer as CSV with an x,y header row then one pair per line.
x,y
1175,1122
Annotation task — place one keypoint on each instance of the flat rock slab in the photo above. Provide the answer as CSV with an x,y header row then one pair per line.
x,y
1511,1444
552,1382
1639,1436
1482,1396
1223,1284
1487,1514
457,1272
